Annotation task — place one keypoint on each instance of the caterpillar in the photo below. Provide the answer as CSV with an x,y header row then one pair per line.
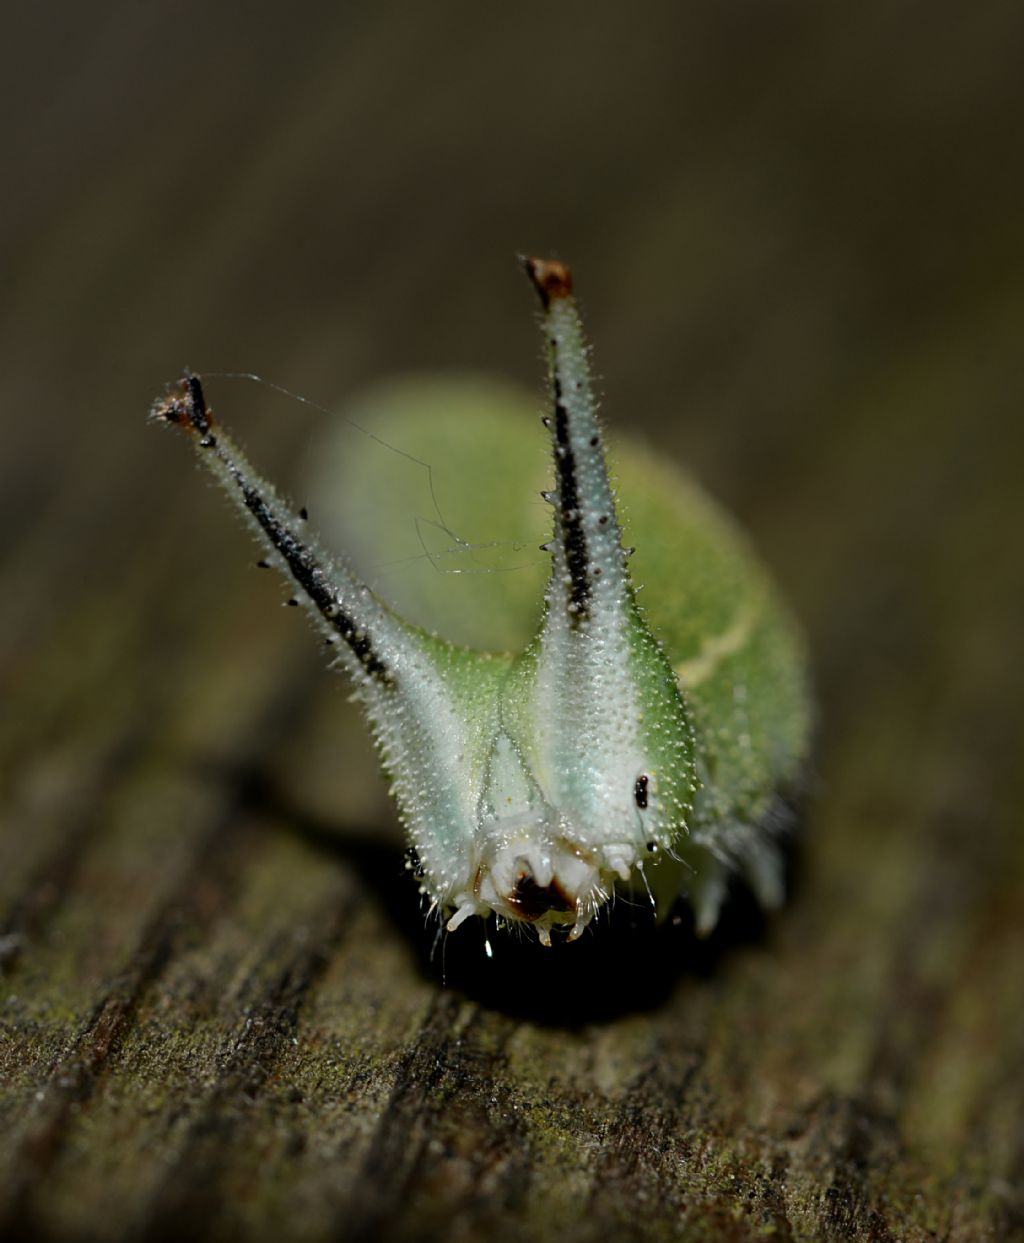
x,y
622,745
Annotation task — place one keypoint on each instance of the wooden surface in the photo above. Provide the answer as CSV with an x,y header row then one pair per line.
x,y
797,233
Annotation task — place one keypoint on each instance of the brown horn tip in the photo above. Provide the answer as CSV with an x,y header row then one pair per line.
x,y
185,407
551,278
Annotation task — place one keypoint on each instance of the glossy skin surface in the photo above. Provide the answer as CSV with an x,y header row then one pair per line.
x,y
621,744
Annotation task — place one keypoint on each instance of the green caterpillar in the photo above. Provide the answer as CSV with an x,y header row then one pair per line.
x,y
622,744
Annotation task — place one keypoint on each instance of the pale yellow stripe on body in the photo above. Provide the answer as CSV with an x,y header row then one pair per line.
x,y
719,647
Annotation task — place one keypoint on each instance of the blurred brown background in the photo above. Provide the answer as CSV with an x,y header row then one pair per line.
x,y
796,233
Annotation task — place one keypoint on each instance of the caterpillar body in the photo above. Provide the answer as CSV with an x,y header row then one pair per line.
x,y
621,746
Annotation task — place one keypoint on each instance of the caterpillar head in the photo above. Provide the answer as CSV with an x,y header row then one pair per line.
x,y
586,800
